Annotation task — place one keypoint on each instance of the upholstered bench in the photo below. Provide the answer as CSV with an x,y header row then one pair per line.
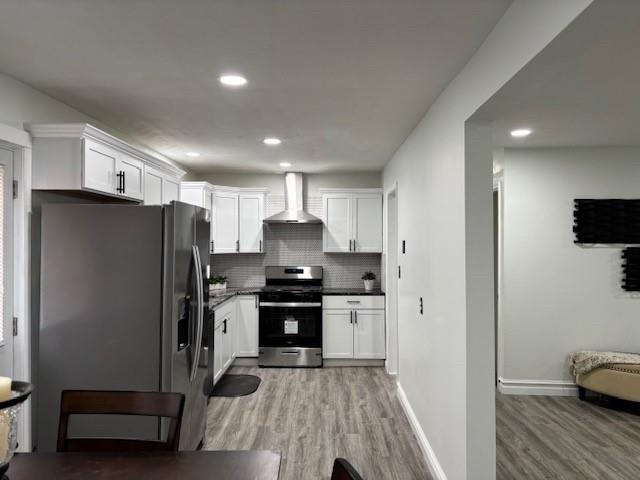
x,y
619,380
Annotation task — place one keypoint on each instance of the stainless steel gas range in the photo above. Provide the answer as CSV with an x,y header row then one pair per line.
x,y
290,328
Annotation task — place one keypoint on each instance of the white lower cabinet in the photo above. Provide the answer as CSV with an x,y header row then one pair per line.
x,y
223,338
369,334
337,333
247,326
218,361
354,332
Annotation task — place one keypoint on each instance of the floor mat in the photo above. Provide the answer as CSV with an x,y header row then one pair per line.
x,y
236,386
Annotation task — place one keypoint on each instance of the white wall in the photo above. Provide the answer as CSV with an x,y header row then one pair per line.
x,y
275,181
20,104
558,297
445,213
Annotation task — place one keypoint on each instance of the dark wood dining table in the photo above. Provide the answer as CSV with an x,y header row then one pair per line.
x,y
214,465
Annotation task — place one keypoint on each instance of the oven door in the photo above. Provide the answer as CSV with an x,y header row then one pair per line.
x,y
290,324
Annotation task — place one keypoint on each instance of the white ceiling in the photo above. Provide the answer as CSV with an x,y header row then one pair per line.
x,y
341,82
583,89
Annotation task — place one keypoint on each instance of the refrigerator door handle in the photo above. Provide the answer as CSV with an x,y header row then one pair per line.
x,y
200,300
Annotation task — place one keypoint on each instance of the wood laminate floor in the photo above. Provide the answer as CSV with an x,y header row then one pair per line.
x,y
562,438
314,415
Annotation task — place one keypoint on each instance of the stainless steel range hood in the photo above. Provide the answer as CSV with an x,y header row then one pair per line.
x,y
294,206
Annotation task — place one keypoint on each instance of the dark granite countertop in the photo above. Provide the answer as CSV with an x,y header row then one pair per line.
x,y
351,291
218,298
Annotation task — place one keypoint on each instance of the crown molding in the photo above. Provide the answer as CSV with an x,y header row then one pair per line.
x,y
86,130
223,188
350,190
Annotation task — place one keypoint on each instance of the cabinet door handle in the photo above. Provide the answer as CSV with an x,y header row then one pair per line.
x,y
119,188
354,245
224,326
255,299
124,183
355,317
237,245
260,250
351,317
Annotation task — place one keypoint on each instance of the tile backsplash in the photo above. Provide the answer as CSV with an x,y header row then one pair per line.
x,y
297,244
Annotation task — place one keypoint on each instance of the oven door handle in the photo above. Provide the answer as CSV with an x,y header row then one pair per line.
x,y
292,304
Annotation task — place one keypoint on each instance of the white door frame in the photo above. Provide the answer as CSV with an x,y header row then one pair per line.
x,y
498,186
391,280
19,142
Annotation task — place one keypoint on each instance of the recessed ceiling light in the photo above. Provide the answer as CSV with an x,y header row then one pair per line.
x,y
521,132
193,154
285,164
272,141
233,80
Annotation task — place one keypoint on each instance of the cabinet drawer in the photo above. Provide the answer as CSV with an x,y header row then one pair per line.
x,y
352,302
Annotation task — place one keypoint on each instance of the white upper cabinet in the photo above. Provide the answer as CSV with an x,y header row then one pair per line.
x,y
170,190
225,222
159,189
99,167
251,217
237,215
196,193
367,222
352,220
130,177
78,156
152,187
337,222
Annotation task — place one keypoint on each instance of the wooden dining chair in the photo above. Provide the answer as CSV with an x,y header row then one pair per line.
x,y
98,402
343,470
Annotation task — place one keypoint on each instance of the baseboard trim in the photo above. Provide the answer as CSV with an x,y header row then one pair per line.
x,y
429,455
339,362
327,362
245,362
556,388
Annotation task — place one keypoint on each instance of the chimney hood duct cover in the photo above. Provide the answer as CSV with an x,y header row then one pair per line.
x,y
294,207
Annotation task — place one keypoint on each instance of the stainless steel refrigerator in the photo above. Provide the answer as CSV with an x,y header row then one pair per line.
x,y
123,306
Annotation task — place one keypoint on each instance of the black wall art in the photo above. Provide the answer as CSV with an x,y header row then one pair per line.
x,y
613,221
631,269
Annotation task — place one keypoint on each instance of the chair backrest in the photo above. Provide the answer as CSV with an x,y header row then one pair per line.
x,y
343,470
98,402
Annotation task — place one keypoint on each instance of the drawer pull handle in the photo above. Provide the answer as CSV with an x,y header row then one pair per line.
x,y
353,301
